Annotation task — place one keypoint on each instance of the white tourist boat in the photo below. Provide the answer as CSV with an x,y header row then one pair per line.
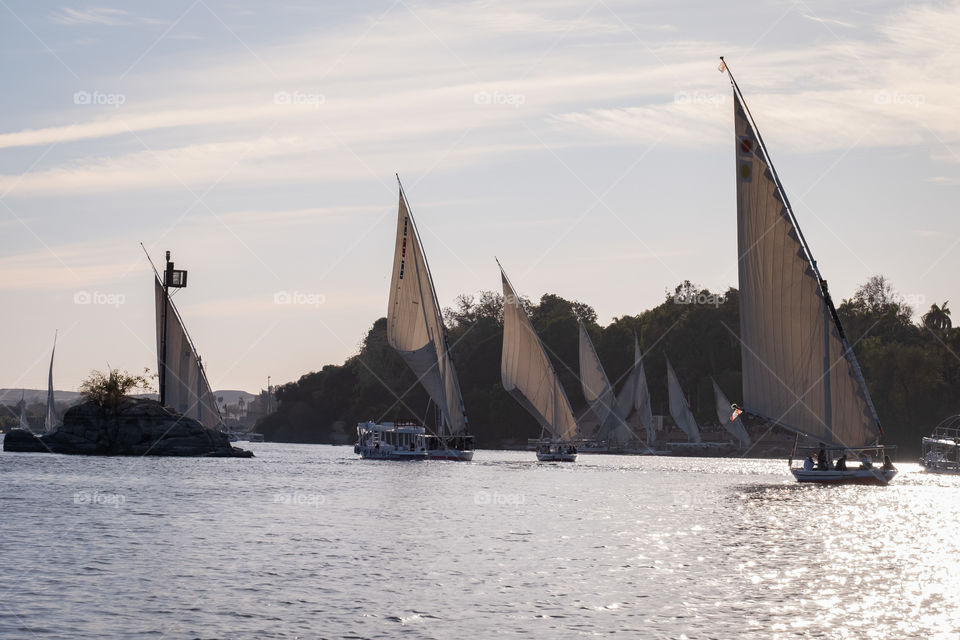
x,y
799,370
391,441
182,379
415,329
528,375
940,452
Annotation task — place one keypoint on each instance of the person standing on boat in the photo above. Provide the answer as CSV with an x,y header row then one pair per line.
x,y
865,462
823,462
841,464
808,462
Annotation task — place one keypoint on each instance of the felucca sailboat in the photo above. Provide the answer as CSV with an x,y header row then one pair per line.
x,y
724,414
680,409
635,396
799,370
183,381
24,422
528,375
415,329
610,413
50,417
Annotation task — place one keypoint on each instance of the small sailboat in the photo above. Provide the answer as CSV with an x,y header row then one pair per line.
x,y
183,382
50,417
24,423
528,375
728,417
799,370
611,414
635,396
680,410
415,329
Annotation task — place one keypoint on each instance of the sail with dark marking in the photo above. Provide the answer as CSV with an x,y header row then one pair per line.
x,y
798,368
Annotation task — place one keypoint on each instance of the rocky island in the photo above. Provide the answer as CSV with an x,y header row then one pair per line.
x,y
132,427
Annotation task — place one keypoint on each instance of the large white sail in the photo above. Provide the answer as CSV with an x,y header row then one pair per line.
x,y
635,396
415,327
598,391
724,411
526,371
798,370
50,418
185,382
679,408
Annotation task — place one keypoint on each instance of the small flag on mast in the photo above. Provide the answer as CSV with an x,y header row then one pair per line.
x,y
722,67
736,412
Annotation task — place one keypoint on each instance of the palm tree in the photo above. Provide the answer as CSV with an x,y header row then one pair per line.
x,y
938,318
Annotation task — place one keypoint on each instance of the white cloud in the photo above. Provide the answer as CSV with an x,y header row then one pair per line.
x,y
102,16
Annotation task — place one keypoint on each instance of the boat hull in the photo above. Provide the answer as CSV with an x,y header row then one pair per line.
x,y
557,457
454,455
875,476
372,453
948,470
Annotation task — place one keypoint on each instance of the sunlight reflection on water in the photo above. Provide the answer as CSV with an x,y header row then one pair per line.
x,y
307,541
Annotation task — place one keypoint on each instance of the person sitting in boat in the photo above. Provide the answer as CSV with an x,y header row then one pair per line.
x,y
841,464
808,463
865,462
888,464
823,462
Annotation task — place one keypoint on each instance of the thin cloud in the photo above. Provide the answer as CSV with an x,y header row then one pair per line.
x,y
100,16
830,21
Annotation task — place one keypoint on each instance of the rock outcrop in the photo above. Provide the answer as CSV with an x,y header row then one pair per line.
x,y
138,427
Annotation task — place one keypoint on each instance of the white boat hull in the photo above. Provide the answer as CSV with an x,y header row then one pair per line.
x,y
851,476
386,453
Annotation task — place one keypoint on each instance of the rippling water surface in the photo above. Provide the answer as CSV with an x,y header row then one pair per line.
x,y
310,542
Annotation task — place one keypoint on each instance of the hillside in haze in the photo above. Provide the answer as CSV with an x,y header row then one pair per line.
x,y
909,366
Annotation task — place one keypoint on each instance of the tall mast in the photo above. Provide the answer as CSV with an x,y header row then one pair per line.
x,y
163,331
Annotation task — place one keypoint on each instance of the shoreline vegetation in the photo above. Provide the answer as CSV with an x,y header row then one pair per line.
x,y
910,368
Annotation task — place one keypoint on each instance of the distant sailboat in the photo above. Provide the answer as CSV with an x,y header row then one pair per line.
x,y
611,414
50,418
725,412
528,375
415,329
799,370
679,408
183,381
24,423
635,396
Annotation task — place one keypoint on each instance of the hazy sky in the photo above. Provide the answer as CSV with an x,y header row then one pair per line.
x,y
589,145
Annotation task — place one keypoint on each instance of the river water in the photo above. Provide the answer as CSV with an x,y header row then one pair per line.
x,y
310,542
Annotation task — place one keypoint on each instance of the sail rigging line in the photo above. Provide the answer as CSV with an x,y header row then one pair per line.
x,y
439,315
848,353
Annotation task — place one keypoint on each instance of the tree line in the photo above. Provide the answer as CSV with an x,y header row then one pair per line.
x,y
911,368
